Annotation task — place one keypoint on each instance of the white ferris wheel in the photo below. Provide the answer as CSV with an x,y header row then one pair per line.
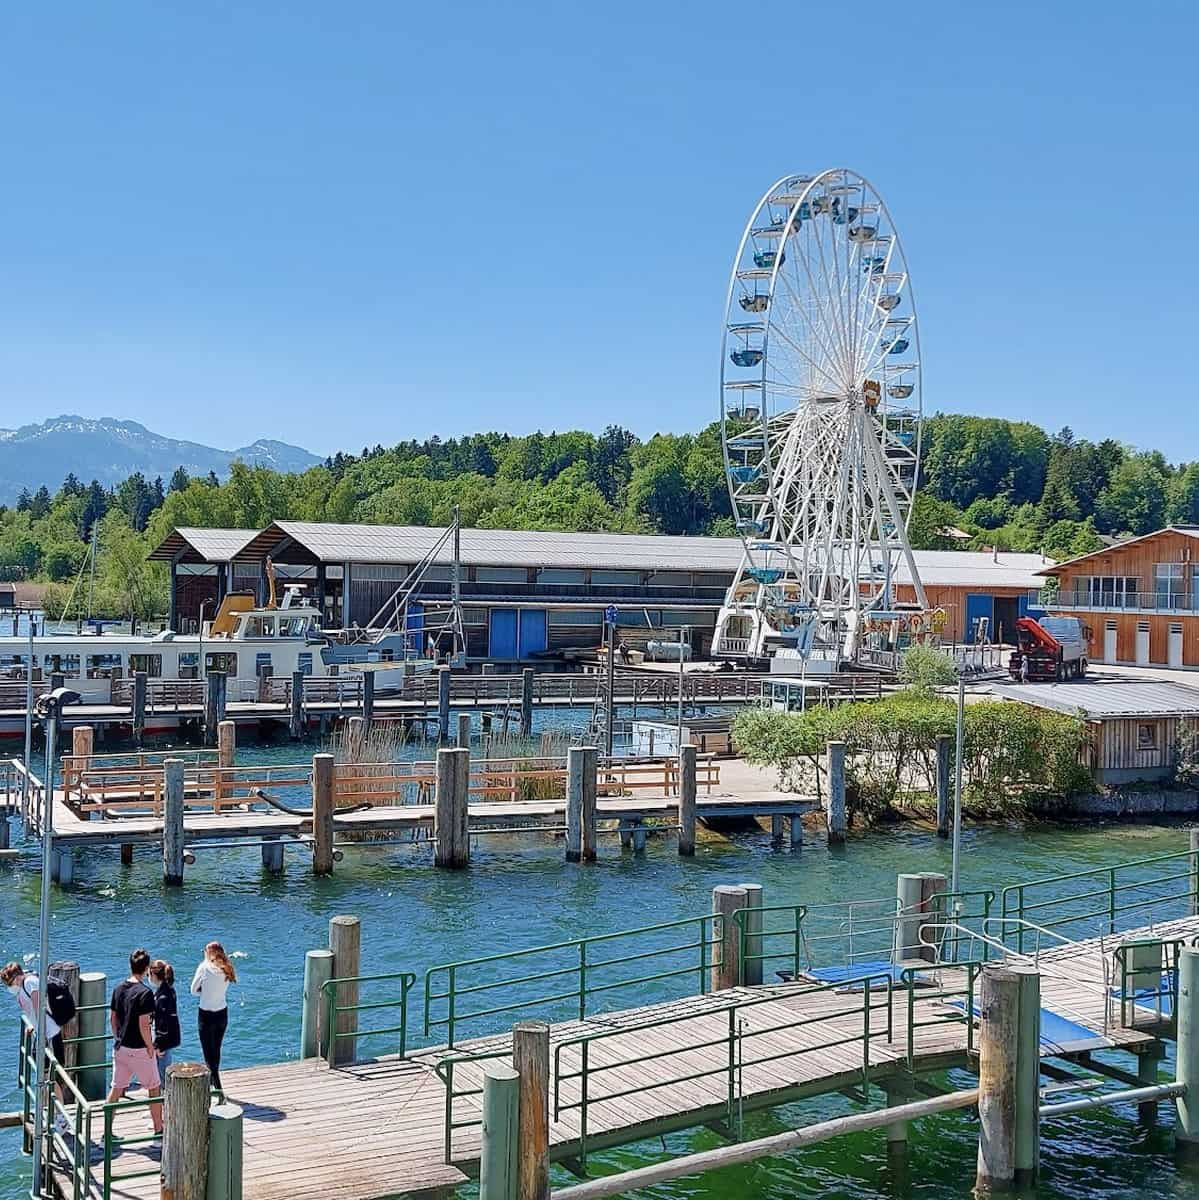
x,y
820,416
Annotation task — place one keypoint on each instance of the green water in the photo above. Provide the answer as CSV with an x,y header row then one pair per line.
x,y
518,893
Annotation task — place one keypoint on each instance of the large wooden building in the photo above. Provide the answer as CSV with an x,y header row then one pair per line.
x,y
1139,600
525,593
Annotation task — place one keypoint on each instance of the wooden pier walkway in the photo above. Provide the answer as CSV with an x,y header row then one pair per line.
x,y
377,1129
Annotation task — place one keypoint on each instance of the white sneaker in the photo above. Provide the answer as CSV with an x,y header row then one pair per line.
x,y
61,1124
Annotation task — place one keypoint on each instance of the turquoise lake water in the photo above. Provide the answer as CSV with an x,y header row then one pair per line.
x,y
518,893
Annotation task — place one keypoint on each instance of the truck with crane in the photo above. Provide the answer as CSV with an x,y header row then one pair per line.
x,y
1050,650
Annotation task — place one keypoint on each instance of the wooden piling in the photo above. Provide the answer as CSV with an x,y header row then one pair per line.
x,y
777,828
1027,1132
185,1132
450,814
91,1053
580,803
501,1111
909,896
526,702
314,1037
835,815
726,936
226,743
83,741
295,725
172,823
345,940
126,854
225,1140
322,814
999,1007
214,706
272,854
531,1060
751,934
944,755
140,688
67,972
368,697
464,724
443,705
1186,1071
687,793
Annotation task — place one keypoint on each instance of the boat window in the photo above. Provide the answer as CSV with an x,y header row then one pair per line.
x,y
189,665
259,627
220,661
304,664
66,665
103,666
12,666
293,627
150,663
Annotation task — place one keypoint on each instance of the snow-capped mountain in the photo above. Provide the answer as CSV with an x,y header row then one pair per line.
x,y
108,450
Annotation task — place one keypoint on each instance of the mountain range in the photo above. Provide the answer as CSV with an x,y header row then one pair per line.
x,y
109,450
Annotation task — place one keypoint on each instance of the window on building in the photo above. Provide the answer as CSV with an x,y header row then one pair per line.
x,y
1109,591
602,578
1146,736
150,663
66,665
1169,584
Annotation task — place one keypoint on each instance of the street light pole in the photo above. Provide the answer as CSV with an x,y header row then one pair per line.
x,y
611,615
957,785
684,631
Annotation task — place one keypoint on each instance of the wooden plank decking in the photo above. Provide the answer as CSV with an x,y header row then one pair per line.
x,y
375,1130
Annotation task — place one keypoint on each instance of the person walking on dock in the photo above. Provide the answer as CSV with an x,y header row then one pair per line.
x,y
167,1034
133,1056
26,990
210,982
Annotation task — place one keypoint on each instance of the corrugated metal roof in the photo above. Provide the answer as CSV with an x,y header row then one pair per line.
x,y
208,545
613,551
1100,700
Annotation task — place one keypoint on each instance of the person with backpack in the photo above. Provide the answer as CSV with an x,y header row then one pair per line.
x,y
167,1034
133,1055
60,1010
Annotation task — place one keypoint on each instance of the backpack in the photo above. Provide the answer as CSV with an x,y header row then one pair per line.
x,y
60,1004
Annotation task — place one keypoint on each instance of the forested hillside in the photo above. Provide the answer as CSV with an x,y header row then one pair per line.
x,y
1003,483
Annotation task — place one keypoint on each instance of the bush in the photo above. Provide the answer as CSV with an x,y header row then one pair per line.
x,y
925,668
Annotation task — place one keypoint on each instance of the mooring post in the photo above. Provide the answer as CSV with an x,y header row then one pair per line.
x,y
526,702
898,1091
63,865
450,809
590,756
1143,974
1194,861
272,854
140,687
83,741
185,1132
322,814
226,743
751,934
531,1060
368,698
172,823
464,723
314,1037
214,706
345,940
355,738
126,854
726,936
224,1152
687,790
909,902
443,705
1186,1132
501,1110
999,1008
296,722
944,752
93,1021
67,972
836,793
1027,1132
574,804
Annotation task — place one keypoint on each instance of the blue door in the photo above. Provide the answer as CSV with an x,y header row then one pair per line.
x,y
978,606
502,642
532,631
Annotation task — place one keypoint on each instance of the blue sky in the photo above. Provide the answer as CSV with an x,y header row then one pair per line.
x,y
348,224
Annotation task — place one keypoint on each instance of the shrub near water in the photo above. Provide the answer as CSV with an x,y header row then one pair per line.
x,y
1017,758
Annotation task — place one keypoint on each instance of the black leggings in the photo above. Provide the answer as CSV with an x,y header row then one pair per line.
x,y
212,1034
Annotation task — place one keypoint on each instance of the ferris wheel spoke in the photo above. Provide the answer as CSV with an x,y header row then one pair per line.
x,y
818,332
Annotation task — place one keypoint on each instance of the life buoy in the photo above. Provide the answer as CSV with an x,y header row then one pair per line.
x,y
915,622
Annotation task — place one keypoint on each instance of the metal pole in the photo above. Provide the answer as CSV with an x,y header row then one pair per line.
x,y
28,720
41,1091
955,875
679,739
91,587
611,686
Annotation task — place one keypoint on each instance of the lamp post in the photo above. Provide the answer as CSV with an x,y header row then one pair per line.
x,y
49,709
957,784
684,635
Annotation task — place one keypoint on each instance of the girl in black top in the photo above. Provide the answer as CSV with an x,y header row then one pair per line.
x,y
166,1015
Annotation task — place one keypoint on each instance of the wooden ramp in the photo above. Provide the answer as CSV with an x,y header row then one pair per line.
x,y
376,1129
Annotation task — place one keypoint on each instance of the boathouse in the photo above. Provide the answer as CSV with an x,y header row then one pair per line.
x,y
1139,599
1137,728
529,593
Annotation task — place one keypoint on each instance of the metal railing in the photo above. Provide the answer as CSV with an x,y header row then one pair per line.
x,y
332,1011
567,979
1103,900
23,792
947,990
1152,986
1150,601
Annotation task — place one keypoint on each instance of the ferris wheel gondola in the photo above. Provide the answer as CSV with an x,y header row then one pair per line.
x,y
820,418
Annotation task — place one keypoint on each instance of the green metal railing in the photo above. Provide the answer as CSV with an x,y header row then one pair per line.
x,y
332,1010
967,911
1148,981
772,935
949,993
1104,899
573,978
450,1071
577,1066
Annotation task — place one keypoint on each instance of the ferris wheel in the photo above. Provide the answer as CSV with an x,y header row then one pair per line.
x,y
820,418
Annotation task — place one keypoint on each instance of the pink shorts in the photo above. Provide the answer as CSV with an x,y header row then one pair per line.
x,y
129,1064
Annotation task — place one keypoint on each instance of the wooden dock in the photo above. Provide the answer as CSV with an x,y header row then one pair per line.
x,y
377,1129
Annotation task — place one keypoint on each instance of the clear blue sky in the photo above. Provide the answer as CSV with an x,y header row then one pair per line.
x,y
348,224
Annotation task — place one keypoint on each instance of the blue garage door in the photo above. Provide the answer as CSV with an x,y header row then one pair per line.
x,y
502,642
532,631
978,606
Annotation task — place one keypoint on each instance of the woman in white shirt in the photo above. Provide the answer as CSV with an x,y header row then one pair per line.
x,y
210,982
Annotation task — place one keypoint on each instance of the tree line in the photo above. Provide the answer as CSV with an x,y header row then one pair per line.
x,y
984,482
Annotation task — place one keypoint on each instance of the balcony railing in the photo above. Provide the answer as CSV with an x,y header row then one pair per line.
x,y
1132,601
